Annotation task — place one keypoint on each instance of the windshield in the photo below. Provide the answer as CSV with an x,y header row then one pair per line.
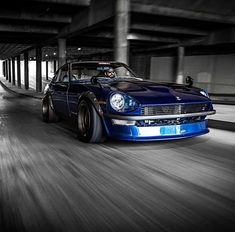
x,y
86,71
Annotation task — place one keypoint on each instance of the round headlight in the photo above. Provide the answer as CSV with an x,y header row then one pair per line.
x,y
117,102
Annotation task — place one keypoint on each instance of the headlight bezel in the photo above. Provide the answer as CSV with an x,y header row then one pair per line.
x,y
130,104
113,100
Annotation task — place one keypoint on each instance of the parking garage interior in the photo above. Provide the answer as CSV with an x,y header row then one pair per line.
x,y
51,181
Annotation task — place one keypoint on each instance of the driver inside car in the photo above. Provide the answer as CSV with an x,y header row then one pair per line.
x,y
110,73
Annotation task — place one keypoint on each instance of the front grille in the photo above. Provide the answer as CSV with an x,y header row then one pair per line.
x,y
167,122
173,109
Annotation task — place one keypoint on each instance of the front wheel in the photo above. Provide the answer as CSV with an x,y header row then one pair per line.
x,y
89,123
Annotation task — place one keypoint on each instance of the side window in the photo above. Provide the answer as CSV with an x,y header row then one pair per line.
x,y
81,72
76,73
63,75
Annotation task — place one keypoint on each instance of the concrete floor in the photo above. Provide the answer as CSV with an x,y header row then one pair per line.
x,y
224,113
49,181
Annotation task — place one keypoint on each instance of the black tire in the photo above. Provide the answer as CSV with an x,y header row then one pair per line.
x,y
89,123
48,114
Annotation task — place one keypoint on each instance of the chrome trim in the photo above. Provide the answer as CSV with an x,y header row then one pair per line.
x,y
135,118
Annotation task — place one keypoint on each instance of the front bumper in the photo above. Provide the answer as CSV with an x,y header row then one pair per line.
x,y
151,133
134,133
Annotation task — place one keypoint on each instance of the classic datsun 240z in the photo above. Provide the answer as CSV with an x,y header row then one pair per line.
x,y
107,100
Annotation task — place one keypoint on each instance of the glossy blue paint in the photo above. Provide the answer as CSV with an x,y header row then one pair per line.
x,y
131,133
146,92
65,97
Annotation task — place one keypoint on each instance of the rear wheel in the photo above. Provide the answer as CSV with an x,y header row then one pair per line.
x,y
48,114
89,123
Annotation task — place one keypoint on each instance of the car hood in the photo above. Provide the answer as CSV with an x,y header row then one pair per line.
x,y
146,92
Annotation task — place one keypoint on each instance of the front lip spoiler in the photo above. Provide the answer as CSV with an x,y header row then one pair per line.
x,y
136,118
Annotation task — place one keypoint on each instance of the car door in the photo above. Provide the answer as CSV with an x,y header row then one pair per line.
x,y
59,89
76,88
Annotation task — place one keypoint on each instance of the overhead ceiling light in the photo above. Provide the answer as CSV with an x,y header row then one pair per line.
x,y
132,36
54,53
79,49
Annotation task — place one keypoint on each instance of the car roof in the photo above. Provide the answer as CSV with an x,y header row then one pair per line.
x,y
96,62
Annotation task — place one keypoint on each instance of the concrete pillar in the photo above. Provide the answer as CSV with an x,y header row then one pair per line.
x,y
54,66
6,68
121,28
180,66
61,52
6,71
140,64
26,70
9,70
38,69
3,69
13,71
18,71
47,70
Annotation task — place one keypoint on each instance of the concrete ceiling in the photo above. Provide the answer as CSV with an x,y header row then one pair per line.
x,y
155,25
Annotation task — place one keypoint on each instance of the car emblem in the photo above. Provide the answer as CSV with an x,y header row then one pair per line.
x,y
178,98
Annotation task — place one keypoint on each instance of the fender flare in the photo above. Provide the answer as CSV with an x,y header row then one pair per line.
x,y
47,97
92,98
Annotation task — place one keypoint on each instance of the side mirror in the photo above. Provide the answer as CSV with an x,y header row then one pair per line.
x,y
189,81
94,80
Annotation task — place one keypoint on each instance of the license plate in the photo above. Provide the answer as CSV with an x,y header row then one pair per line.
x,y
170,130
159,130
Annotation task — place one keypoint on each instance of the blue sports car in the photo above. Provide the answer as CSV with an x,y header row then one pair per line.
x,y
107,100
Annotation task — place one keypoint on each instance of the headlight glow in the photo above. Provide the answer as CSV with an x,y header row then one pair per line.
x,y
117,102
204,93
